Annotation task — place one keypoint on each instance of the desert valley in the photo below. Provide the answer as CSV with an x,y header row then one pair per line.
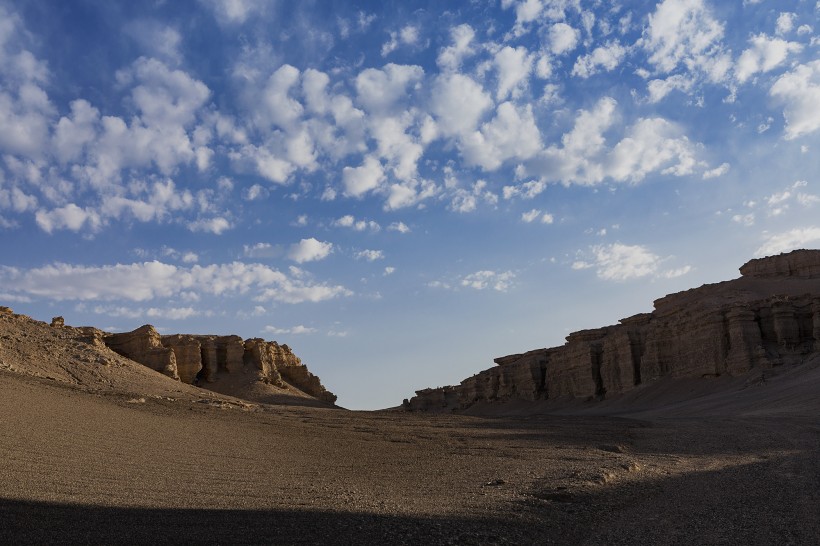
x,y
695,423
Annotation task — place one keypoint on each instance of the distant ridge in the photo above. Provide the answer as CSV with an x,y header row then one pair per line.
x,y
252,370
767,318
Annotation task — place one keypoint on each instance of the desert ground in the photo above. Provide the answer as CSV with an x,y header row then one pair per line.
x,y
97,449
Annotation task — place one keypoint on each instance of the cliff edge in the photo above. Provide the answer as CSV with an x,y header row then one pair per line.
x,y
768,317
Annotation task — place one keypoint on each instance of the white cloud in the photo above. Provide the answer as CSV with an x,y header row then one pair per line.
x,y
718,171
563,38
511,134
659,88
466,200
234,12
369,255
360,180
785,22
765,54
255,192
649,145
349,221
408,35
619,262
744,219
489,280
450,57
514,67
458,103
150,280
382,91
295,330
682,32
534,214
69,217
527,190
309,250
606,57
190,257
156,39
216,225
799,92
401,227
389,270
789,240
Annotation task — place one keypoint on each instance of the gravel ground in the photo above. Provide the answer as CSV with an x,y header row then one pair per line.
x,y
96,449
79,467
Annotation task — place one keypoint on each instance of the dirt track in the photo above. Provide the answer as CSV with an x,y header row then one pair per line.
x,y
81,467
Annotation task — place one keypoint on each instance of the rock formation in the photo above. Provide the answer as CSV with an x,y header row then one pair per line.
x,y
144,345
207,361
768,317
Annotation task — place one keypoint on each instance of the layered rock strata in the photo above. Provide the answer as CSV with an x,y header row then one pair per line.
x,y
768,317
204,360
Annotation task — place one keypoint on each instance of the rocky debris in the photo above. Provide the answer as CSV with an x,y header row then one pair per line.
x,y
57,322
208,361
767,318
6,310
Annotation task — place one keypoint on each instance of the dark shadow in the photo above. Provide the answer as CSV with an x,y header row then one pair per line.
x,y
28,522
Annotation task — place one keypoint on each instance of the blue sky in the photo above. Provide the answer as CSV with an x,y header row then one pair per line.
x,y
401,191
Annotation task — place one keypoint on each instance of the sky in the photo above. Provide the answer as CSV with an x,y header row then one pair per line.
x,y
400,191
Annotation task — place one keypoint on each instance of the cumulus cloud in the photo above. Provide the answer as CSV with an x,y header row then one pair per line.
x,y
682,32
234,12
450,57
620,262
309,250
459,103
500,281
718,171
562,38
369,255
799,92
401,227
217,225
349,221
536,214
150,280
408,35
359,180
606,57
765,54
69,217
511,135
789,240
514,67
294,330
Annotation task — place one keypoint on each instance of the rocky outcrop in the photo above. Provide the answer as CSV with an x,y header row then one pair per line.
x,y
144,345
769,317
209,360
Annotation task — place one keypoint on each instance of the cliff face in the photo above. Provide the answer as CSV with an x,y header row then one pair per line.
x,y
212,361
768,317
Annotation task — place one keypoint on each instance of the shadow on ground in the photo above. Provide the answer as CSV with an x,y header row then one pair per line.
x,y
27,522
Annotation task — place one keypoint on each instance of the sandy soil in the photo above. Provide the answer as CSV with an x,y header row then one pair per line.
x,y
99,450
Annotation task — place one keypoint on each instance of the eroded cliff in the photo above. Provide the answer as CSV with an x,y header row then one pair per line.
x,y
768,317
224,364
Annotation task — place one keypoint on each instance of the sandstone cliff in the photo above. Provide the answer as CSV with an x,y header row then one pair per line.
x,y
768,317
224,364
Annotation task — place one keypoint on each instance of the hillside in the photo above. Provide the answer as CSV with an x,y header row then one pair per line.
x,y
143,363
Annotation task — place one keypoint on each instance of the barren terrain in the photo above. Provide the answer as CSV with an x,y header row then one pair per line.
x,y
97,449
